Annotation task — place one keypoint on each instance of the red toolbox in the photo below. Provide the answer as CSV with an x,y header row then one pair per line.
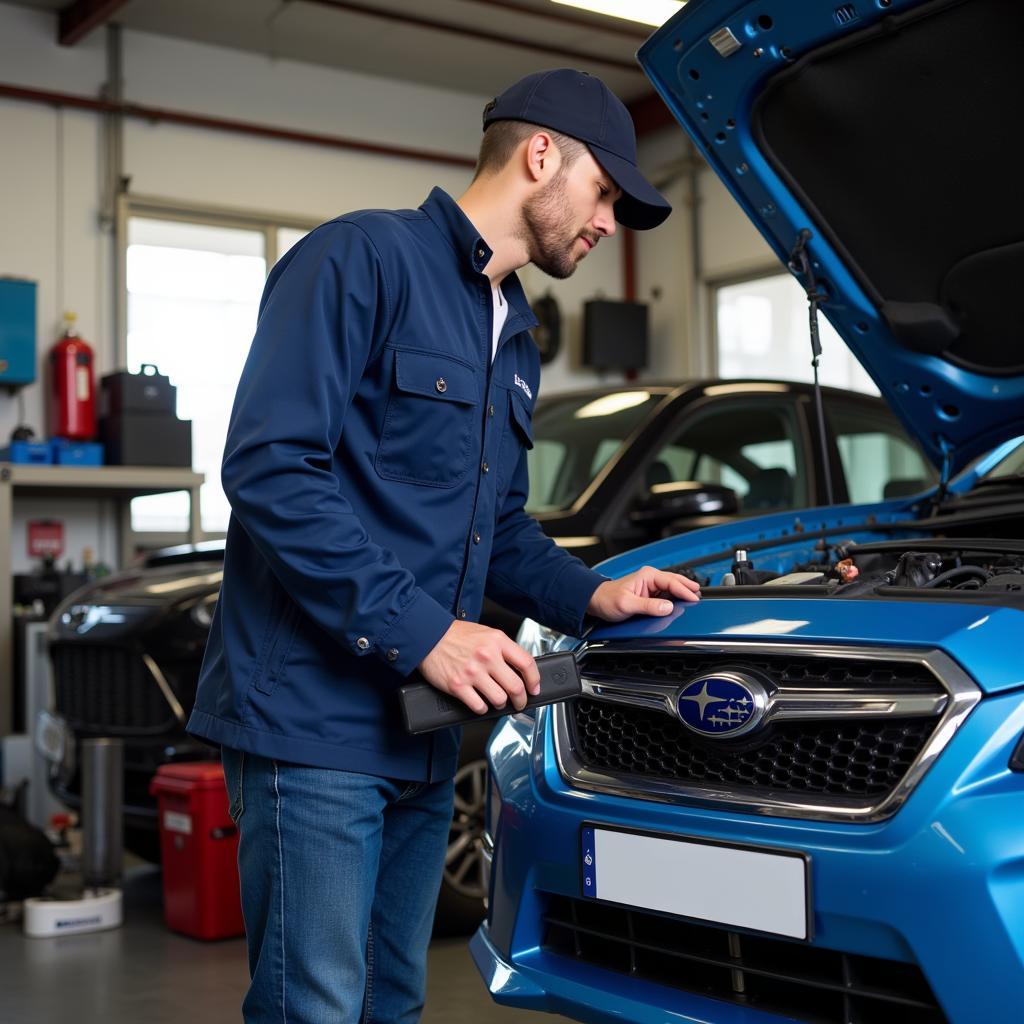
x,y
199,851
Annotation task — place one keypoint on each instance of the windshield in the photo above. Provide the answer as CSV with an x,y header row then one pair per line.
x,y
574,436
1012,465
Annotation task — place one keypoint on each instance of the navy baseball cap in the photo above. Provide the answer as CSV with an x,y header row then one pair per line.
x,y
582,106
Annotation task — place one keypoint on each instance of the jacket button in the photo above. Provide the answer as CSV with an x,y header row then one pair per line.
x,y
476,537
441,385
362,643
485,468
392,654
480,254
462,613
490,410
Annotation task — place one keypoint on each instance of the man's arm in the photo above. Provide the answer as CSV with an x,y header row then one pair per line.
x,y
529,573
323,313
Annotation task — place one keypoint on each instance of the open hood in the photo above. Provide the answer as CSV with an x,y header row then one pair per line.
x,y
887,130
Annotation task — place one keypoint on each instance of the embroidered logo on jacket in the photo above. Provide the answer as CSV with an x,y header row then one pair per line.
x,y
520,383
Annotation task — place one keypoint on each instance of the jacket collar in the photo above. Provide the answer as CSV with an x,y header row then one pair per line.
x,y
469,245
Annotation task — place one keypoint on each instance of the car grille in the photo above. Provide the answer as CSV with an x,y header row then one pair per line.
x,y
863,758
108,690
842,756
804,982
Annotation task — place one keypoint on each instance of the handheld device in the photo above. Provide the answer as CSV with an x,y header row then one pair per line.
x,y
426,708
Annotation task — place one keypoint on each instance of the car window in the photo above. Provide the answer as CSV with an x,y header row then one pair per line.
x,y
879,459
605,450
575,436
752,447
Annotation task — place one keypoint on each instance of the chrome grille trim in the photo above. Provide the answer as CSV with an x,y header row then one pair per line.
x,y
961,695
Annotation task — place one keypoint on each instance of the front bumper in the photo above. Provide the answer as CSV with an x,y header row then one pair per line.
x,y
939,885
533,982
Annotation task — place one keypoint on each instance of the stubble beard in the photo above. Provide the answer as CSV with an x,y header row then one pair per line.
x,y
549,232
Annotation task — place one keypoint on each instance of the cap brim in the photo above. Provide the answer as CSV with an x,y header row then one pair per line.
x,y
641,205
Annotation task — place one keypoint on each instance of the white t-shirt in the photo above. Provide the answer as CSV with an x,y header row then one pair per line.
x,y
500,315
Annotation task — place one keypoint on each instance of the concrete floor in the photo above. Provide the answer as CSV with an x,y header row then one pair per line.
x,y
143,972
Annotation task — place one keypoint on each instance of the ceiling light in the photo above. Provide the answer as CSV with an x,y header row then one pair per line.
x,y
648,12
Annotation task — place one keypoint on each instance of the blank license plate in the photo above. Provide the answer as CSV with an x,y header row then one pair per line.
x,y
741,887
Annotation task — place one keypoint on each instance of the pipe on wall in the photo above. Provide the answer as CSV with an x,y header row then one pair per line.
x,y
158,114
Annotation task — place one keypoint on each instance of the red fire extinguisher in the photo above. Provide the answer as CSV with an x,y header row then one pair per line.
x,y
72,390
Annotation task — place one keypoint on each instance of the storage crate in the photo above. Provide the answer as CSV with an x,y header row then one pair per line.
x,y
33,453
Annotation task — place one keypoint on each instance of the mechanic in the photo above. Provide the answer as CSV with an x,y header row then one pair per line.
x,y
377,472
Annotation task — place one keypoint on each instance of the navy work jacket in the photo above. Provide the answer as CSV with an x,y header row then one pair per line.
x,y
376,468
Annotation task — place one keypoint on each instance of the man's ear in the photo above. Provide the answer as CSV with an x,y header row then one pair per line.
x,y
542,156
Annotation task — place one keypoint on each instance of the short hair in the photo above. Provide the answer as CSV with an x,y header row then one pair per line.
x,y
502,137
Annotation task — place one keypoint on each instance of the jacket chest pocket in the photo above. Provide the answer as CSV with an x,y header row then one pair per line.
x,y
430,421
518,434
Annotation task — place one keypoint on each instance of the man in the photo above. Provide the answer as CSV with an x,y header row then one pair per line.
x,y
376,468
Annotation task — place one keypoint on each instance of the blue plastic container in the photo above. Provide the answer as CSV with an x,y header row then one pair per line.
x,y
33,453
76,453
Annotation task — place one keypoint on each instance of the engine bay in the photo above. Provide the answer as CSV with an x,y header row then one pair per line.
x,y
962,566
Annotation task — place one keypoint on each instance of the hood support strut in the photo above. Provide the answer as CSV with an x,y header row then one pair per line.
x,y
946,471
800,264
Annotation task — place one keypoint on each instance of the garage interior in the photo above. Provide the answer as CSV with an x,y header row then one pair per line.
x,y
158,157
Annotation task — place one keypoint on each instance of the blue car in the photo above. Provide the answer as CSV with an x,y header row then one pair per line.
x,y
802,799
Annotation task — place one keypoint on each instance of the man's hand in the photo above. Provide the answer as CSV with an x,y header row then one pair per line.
x,y
641,593
481,667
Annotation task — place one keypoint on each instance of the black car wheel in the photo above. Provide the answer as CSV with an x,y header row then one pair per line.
x,y
460,905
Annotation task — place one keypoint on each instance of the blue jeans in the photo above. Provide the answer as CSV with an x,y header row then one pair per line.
x,y
340,874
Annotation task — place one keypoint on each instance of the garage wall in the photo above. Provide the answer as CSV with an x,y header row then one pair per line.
x,y
731,245
707,238
665,264
52,175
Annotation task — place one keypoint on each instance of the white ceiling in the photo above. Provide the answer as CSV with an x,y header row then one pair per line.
x,y
318,32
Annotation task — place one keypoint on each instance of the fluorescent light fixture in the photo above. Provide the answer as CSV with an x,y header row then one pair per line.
x,y
647,12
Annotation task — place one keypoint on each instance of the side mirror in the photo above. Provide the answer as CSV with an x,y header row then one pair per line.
x,y
684,499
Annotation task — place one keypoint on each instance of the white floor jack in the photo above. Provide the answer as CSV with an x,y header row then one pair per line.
x,y
95,903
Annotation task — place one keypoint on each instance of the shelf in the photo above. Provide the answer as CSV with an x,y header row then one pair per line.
x,y
101,481
117,483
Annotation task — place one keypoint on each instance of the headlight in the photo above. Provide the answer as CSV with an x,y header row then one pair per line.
x,y
536,639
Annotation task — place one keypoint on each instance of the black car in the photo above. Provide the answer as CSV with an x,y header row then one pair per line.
x,y
610,468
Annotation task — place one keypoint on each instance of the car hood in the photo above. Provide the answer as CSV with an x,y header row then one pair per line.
x,y
882,129
163,585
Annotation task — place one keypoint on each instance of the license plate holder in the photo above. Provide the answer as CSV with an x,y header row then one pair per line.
x,y
751,888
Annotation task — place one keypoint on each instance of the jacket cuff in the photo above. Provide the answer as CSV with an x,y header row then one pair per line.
x,y
574,587
413,634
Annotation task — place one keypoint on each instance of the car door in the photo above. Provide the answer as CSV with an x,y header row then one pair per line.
x,y
756,445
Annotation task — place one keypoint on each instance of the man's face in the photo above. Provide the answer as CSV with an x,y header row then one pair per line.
x,y
565,220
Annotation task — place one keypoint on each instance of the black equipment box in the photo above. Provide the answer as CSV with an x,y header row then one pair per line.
x,y
146,392
146,439
614,335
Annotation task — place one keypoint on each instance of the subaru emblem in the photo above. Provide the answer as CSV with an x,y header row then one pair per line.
x,y
722,704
